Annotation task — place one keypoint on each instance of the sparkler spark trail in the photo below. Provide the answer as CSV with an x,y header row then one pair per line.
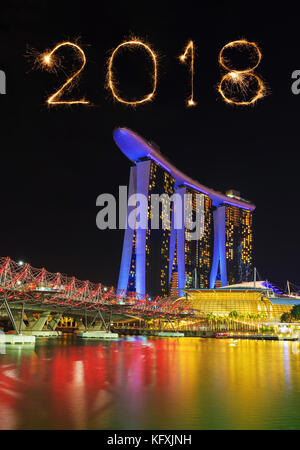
x,y
240,80
190,47
111,83
48,60
236,44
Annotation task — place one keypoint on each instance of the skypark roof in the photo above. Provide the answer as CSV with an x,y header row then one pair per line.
x,y
136,148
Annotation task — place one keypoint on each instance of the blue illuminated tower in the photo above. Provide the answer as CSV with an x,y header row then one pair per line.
x,y
163,262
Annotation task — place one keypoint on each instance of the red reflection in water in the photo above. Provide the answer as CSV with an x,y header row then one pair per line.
x,y
69,386
157,383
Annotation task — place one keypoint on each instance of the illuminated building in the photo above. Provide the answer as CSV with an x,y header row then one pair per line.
x,y
158,241
165,261
174,277
198,254
145,259
238,229
245,298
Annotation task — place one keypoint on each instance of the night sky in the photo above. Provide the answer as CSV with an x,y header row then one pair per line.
x,y
55,162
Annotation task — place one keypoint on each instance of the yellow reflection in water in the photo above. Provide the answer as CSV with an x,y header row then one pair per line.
x,y
169,383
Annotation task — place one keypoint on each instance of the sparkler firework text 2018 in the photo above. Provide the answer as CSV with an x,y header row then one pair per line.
x,y
239,86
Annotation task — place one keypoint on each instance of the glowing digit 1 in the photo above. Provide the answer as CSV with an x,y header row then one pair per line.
x,y
190,48
47,60
110,77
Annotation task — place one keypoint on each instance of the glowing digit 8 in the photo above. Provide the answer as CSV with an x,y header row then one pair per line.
x,y
241,80
111,83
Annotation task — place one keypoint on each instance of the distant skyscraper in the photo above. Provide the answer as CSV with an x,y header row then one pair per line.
x,y
164,261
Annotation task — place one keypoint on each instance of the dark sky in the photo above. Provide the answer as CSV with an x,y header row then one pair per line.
x,y
55,162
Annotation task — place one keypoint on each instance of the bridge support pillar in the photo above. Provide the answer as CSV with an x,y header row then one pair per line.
x,y
16,325
36,327
18,321
81,325
98,326
16,339
97,335
97,329
54,321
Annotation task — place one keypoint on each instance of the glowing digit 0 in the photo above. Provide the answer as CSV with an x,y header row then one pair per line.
x,y
190,48
48,60
241,80
110,76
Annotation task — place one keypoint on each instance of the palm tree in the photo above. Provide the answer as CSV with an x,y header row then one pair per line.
x,y
216,321
242,318
210,317
263,316
226,321
258,320
233,316
251,317
219,320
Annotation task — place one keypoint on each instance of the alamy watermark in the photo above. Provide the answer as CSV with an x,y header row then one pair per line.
x,y
2,83
2,343
139,211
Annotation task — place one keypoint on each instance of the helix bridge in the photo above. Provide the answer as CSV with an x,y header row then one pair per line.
x,y
25,288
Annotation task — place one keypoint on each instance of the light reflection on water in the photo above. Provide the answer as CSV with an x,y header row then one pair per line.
x,y
168,383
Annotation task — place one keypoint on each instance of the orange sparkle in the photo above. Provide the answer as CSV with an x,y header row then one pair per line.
x,y
190,48
110,79
48,60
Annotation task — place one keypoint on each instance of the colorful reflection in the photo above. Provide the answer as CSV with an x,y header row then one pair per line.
x,y
140,383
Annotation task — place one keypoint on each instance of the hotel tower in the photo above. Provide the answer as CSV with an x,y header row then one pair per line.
x,y
164,261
